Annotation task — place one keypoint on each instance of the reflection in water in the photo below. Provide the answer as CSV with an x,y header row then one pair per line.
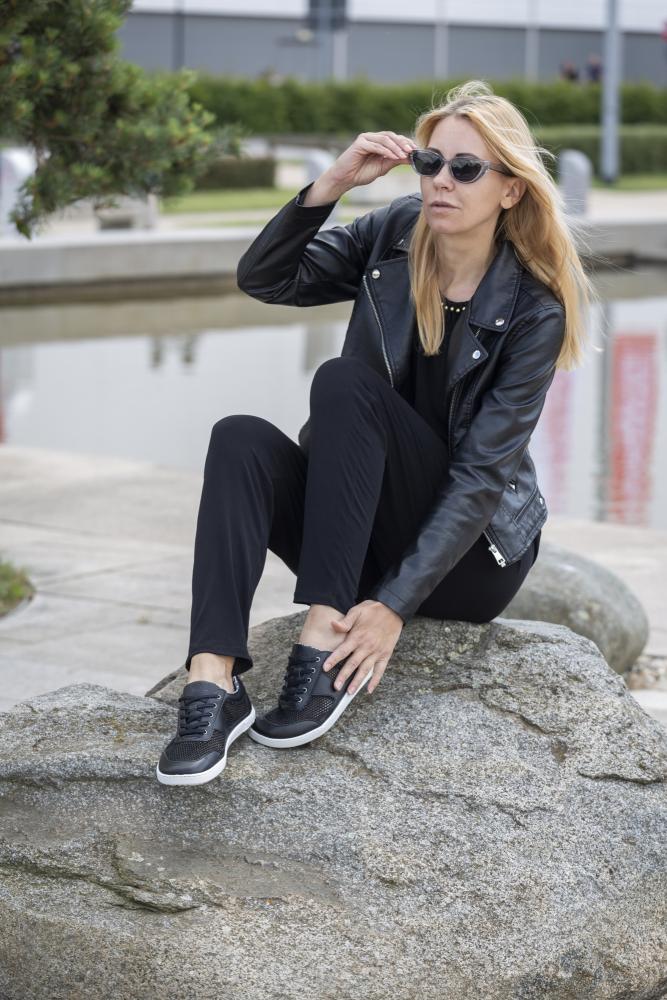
x,y
632,423
148,381
184,347
603,428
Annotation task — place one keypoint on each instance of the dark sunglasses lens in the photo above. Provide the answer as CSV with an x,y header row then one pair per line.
x,y
465,168
425,161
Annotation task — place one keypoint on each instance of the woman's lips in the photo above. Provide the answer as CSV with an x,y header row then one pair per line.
x,y
442,208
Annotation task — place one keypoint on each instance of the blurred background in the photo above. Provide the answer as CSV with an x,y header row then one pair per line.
x,y
145,375
123,336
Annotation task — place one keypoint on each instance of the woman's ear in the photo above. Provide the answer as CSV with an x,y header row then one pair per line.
x,y
513,192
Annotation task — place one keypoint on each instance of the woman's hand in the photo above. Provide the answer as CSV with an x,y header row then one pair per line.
x,y
371,155
373,630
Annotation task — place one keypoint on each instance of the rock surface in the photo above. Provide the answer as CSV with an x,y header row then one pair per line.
x,y
490,823
569,589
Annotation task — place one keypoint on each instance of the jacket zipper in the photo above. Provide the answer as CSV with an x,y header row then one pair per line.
x,y
493,548
384,352
451,413
495,551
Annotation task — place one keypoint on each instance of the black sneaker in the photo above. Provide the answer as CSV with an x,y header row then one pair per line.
x,y
308,704
209,720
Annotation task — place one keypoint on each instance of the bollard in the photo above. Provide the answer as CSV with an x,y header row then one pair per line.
x,y
574,179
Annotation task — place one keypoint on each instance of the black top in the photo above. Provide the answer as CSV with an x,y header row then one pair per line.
x,y
425,384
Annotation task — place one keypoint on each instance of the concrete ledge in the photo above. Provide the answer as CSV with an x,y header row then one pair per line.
x,y
141,262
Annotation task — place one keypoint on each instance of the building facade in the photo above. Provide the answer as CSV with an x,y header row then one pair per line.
x,y
393,41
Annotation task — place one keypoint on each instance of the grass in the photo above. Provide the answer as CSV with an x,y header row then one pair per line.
x,y
634,182
257,199
14,587
229,201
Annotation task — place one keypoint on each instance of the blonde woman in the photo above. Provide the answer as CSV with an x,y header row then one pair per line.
x,y
412,489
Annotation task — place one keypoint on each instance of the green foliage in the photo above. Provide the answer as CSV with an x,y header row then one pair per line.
x,y
642,148
235,173
561,114
99,127
14,586
343,109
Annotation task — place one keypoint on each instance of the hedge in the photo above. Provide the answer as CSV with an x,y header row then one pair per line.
x,y
232,172
342,109
642,150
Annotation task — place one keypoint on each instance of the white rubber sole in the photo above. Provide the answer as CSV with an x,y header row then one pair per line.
x,y
296,741
202,777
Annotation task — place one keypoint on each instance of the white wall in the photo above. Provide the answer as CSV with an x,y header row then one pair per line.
x,y
634,15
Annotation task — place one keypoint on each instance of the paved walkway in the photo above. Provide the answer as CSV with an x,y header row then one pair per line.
x,y
602,205
108,544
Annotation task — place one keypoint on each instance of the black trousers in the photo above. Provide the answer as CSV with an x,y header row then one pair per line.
x,y
338,516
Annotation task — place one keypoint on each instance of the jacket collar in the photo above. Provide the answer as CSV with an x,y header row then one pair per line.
x,y
493,301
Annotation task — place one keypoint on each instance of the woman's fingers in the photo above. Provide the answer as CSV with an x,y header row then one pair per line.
x,y
350,665
389,142
364,669
339,653
378,671
404,143
377,147
361,660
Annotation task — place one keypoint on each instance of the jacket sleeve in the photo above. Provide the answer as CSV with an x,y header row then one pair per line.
x,y
488,456
290,263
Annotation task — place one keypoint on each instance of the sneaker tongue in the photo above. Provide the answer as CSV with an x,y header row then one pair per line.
x,y
202,689
303,652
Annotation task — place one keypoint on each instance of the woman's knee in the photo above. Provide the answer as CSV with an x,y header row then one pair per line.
x,y
336,376
239,430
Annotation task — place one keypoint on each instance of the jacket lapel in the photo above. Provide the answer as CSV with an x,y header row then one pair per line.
x,y
491,307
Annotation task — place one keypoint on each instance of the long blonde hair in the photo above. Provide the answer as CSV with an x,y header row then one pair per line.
x,y
544,239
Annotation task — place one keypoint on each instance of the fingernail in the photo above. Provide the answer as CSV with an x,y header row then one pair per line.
x,y
351,690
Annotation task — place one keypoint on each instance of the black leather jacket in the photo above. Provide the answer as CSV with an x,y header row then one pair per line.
x,y
511,337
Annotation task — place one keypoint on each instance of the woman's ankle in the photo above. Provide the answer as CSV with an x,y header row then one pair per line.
x,y
212,667
317,630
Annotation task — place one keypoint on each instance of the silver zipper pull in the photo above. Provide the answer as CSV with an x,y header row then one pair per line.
x,y
497,555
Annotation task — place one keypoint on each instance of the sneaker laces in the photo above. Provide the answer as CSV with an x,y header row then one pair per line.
x,y
192,710
298,671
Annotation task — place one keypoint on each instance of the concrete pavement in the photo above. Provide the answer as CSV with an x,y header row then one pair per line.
x,y
108,543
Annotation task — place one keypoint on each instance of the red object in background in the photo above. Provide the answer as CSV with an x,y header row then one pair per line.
x,y
632,425
663,33
556,434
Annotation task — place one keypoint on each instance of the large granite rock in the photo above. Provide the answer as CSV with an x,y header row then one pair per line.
x,y
489,824
569,589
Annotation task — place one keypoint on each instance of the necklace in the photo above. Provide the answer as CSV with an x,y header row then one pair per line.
x,y
449,308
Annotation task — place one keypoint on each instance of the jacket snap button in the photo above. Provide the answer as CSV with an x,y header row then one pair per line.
x,y
375,273
476,354
499,321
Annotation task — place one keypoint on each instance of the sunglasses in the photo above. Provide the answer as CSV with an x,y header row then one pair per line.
x,y
463,168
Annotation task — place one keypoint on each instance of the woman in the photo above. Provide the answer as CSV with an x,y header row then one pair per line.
x,y
411,490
